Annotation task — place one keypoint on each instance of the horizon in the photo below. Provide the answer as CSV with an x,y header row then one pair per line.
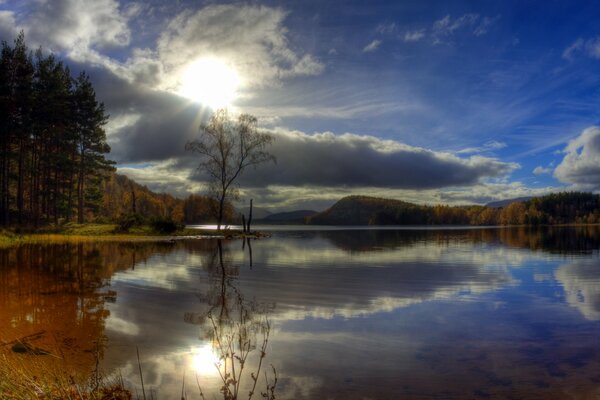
x,y
462,103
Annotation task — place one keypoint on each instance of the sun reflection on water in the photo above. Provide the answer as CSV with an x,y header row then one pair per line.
x,y
204,360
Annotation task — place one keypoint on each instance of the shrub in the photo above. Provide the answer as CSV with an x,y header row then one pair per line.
x,y
127,221
165,225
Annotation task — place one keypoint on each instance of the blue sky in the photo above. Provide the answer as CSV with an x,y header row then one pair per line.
x,y
454,102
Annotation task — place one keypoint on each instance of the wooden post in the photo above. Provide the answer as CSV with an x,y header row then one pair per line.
x,y
243,223
250,216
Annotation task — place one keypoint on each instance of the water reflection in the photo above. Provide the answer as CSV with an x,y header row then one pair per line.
x,y
486,313
581,282
53,302
237,329
561,240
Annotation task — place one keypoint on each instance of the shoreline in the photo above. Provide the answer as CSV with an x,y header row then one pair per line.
x,y
88,233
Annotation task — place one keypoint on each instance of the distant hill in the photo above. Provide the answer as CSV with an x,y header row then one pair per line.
x,y
289,217
365,210
257,212
555,208
504,203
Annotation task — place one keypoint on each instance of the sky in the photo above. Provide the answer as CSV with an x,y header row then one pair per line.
x,y
456,102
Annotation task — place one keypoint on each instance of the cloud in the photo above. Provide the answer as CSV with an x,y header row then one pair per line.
x,y
581,164
163,177
445,27
253,39
346,164
414,36
539,170
489,146
350,160
8,25
590,48
485,25
147,124
386,28
572,49
78,25
374,45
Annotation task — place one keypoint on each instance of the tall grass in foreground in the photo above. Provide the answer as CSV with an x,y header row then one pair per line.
x,y
33,378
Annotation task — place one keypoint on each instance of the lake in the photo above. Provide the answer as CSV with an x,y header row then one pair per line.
x,y
339,313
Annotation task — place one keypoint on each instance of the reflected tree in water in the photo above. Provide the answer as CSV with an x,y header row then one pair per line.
x,y
238,330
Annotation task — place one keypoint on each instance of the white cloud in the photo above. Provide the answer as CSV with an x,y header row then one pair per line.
x,y
489,146
78,25
581,289
374,45
572,49
581,164
8,25
251,39
590,47
386,28
444,28
163,177
414,36
539,170
485,25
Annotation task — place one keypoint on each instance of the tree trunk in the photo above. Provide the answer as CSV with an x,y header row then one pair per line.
x,y
133,201
80,199
4,186
70,187
20,178
220,217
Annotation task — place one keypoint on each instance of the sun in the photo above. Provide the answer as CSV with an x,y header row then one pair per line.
x,y
210,81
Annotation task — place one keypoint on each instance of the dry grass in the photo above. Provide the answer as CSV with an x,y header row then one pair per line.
x,y
92,233
26,378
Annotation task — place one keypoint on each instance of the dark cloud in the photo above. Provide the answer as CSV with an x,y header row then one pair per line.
x,y
157,124
149,124
351,160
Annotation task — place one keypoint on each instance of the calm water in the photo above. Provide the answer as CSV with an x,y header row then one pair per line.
x,y
340,314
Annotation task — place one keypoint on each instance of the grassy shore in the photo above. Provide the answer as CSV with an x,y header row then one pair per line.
x,y
27,379
77,233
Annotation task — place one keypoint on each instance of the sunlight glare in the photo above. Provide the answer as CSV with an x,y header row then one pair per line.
x,y
210,81
204,360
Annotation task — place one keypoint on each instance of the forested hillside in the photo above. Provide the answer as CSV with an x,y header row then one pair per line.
x,y
123,196
558,208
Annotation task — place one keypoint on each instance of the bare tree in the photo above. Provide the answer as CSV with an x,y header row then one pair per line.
x,y
227,147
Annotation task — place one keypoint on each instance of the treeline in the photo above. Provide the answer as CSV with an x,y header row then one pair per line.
x,y
558,208
123,196
52,141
